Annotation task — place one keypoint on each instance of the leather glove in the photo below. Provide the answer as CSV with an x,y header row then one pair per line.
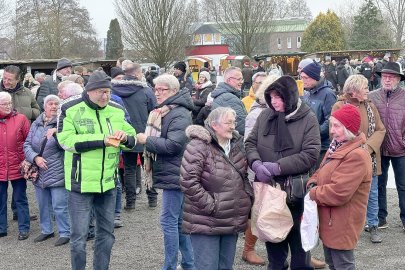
x,y
273,168
262,174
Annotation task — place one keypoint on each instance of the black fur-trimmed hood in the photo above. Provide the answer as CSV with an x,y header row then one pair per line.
x,y
287,89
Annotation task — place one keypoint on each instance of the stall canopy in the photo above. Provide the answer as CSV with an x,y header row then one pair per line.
x,y
236,57
198,58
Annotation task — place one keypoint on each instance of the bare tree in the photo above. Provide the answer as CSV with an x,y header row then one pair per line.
x,y
346,12
244,23
299,8
158,30
393,12
52,29
281,9
5,15
292,8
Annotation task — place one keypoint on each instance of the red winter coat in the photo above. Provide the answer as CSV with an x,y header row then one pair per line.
x,y
14,129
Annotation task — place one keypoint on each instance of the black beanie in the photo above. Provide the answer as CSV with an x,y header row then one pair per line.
x,y
181,66
313,70
62,63
115,71
98,79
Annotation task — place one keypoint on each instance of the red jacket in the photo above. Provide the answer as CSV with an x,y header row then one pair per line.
x,y
341,194
14,129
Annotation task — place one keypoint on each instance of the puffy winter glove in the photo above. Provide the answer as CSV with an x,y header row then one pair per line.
x,y
272,167
262,174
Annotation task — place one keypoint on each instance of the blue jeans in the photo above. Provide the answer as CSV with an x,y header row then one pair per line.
x,y
21,203
214,251
53,201
118,202
398,164
372,206
171,218
80,207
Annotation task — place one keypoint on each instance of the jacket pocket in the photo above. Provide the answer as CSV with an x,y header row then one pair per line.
x,y
76,173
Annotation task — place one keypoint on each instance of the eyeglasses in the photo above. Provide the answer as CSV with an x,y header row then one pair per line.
x,y
9,104
238,79
230,123
391,77
160,90
102,92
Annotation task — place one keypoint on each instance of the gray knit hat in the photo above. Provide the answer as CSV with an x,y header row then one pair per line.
x,y
62,63
98,79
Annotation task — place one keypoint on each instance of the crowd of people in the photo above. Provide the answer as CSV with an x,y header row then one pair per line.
x,y
94,136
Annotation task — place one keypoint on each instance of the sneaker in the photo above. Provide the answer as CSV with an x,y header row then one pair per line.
x,y
375,236
367,228
129,207
152,204
42,237
118,223
382,224
62,241
138,190
90,236
23,235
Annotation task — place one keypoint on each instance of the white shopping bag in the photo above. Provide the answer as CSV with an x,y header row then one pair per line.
x,y
309,224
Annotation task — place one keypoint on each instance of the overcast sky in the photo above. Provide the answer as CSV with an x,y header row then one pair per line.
x,y
103,11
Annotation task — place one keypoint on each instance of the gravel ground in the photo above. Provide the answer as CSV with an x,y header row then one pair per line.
x,y
139,244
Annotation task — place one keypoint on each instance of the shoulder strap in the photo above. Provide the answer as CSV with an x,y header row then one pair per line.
x,y
43,146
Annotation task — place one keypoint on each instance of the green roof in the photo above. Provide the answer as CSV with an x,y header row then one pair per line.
x,y
277,25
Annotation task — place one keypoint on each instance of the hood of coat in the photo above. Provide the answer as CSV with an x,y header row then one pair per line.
x,y
198,132
348,146
40,120
126,88
287,89
225,88
181,98
206,134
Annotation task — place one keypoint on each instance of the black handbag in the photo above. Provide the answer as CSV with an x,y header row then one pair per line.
x,y
296,187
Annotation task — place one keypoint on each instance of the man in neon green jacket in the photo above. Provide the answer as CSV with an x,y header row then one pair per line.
x,y
92,130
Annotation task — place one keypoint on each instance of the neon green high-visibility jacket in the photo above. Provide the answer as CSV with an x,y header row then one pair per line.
x,y
90,166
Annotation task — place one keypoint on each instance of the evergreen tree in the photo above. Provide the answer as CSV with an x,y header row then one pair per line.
x,y
369,31
325,33
114,46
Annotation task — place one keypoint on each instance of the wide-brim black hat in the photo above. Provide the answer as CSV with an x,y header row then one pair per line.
x,y
392,68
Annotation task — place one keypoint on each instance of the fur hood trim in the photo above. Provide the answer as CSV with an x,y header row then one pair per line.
x,y
198,132
129,82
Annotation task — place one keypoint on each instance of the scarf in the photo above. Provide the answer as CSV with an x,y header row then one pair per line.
x,y
283,139
370,131
334,145
153,128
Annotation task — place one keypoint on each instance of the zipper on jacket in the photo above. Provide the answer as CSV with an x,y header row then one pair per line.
x,y
102,163
330,217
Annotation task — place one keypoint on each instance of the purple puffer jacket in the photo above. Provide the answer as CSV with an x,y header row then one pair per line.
x,y
392,112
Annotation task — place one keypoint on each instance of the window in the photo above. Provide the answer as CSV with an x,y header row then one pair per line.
x,y
279,43
298,42
289,42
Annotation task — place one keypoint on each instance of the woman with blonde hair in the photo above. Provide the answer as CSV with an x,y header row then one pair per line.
x,y
355,92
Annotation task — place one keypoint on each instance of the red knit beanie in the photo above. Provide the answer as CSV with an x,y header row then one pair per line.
x,y
349,116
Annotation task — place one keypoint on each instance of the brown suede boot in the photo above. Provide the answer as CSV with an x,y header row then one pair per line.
x,y
249,255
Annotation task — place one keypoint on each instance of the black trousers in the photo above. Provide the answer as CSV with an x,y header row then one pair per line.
x,y
277,252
